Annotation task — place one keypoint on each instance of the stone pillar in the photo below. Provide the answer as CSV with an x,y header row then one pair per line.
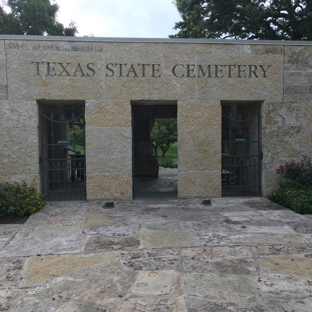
x,y
108,150
145,163
199,135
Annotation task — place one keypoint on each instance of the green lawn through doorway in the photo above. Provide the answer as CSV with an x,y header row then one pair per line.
x,y
171,157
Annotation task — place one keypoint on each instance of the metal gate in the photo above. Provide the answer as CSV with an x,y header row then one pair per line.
x,y
241,151
62,152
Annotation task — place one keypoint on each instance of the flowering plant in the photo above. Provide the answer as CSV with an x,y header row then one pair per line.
x,y
297,172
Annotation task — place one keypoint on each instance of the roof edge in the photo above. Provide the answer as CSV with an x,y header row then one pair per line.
x,y
156,40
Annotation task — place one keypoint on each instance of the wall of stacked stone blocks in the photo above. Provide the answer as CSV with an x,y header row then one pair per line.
x,y
34,68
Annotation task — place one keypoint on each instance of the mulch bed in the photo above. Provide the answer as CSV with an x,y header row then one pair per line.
x,y
13,220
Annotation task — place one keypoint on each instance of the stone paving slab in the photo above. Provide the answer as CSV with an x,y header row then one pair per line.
x,y
239,254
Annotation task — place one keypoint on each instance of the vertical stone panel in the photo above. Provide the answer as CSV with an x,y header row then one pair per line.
x,y
19,148
3,73
297,71
108,150
199,136
287,134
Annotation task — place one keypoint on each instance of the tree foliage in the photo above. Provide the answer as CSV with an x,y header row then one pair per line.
x,y
164,134
245,19
33,17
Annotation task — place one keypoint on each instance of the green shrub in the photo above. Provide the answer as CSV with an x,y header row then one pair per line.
x,y
293,197
19,200
168,162
295,190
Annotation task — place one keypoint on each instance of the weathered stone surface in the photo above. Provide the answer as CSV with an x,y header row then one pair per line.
x,y
298,55
220,239
161,236
31,232
100,186
302,226
285,113
245,266
6,230
232,269
44,268
110,150
42,246
284,275
19,142
157,259
109,76
102,243
199,184
150,304
97,219
199,114
217,254
287,147
111,292
108,113
199,148
156,282
232,288
79,86
283,215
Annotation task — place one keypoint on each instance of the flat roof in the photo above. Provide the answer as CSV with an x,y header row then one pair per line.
x,y
157,40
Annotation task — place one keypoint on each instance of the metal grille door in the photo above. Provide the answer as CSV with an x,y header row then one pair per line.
x,y
62,152
241,151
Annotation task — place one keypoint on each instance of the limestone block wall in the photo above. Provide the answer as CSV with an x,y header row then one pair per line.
x,y
108,75
19,147
108,150
199,135
287,128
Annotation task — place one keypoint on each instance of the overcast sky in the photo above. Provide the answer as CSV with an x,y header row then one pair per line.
x,y
120,18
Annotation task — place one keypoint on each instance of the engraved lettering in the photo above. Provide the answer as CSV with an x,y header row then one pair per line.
x,y
51,68
91,70
265,70
174,70
143,68
110,69
38,68
254,70
64,69
241,70
79,70
201,70
155,70
230,70
190,70
219,72
132,70
120,68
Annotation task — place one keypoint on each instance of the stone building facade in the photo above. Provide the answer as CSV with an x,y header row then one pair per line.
x,y
242,109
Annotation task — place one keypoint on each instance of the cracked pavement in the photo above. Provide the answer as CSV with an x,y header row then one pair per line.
x,y
239,254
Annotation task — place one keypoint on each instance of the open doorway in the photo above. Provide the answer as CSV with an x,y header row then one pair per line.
x,y
155,172
62,150
241,148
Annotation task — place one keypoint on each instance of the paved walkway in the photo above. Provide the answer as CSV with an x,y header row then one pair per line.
x,y
236,255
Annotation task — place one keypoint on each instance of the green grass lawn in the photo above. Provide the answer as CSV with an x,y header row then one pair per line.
x,y
171,157
172,151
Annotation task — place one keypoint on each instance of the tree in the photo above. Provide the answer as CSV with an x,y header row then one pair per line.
x,y
164,134
245,19
33,17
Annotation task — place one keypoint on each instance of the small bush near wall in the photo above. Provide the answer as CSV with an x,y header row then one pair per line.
x,y
19,200
295,190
